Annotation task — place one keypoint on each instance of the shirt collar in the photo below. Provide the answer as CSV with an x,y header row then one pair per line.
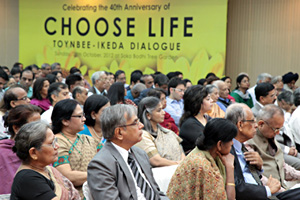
x,y
260,104
122,151
237,145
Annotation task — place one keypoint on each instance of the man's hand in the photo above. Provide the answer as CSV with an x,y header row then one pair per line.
x,y
273,184
293,152
254,159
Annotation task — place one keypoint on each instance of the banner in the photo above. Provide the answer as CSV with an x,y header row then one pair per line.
x,y
158,35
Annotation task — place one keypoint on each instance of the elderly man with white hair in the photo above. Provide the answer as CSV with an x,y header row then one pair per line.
x,y
100,83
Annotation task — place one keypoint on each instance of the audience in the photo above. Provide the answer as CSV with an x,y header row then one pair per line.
x,y
168,122
93,109
75,151
265,93
289,80
120,170
185,112
117,93
270,120
37,147
262,78
176,89
100,83
223,101
26,80
162,145
248,165
215,111
17,117
46,69
197,102
80,94
207,172
40,93
241,94
56,92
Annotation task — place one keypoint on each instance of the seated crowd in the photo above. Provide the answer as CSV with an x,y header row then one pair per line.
x,y
160,137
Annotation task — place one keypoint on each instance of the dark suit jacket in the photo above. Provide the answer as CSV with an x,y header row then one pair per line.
x,y
110,178
245,190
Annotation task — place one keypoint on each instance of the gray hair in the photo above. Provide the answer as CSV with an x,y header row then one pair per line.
x,y
235,113
210,88
114,116
77,89
217,83
44,65
276,79
96,76
262,77
147,105
268,111
287,96
139,87
30,135
53,66
297,97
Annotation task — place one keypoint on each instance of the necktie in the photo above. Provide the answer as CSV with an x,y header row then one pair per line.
x,y
145,188
252,168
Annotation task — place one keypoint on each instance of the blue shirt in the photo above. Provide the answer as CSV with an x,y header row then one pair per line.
x,y
175,109
246,172
129,95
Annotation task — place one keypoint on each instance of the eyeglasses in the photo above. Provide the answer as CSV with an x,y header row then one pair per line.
x,y
134,123
276,130
79,116
103,79
22,99
179,90
53,144
252,121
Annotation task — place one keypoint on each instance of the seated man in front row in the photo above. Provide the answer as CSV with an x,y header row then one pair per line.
x,y
250,184
119,170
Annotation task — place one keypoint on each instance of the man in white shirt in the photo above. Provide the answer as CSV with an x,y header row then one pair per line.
x,y
56,92
120,170
175,105
100,82
262,78
265,94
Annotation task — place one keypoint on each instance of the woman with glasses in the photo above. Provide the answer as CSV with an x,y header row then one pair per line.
x,y
162,145
76,150
197,102
93,108
37,147
16,118
40,93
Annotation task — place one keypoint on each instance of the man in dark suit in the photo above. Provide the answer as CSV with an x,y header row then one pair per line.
x,y
248,165
119,170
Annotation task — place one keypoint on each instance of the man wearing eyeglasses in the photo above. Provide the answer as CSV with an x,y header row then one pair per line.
x,y
176,89
100,83
249,165
270,121
120,170
26,79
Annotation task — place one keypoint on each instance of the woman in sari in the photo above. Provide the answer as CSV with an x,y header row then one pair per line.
x,y
241,94
162,145
36,146
75,151
93,108
208,171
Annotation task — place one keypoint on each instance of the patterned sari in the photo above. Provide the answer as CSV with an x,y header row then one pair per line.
x,y
77,154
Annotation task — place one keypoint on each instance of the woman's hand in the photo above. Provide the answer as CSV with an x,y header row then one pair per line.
x,y
227,160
